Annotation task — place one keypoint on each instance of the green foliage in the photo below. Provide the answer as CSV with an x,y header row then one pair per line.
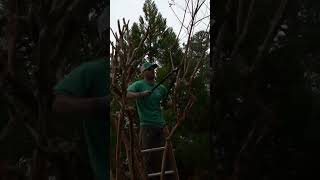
x,y
160,40
192,151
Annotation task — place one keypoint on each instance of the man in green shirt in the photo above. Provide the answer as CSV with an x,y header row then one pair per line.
x,y
149,110
84,94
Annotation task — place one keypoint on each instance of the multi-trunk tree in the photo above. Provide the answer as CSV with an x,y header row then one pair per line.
x,y
153,39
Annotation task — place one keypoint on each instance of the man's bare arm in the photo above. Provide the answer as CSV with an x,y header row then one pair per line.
x,y
133,94
138,94
71,104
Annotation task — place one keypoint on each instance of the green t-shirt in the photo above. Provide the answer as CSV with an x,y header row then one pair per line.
x,y
149,109
91,79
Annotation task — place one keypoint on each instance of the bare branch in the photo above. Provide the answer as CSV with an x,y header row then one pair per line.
x,y
182,25
187,65
172,65
275,22
114,34
202,19
184,15
192,8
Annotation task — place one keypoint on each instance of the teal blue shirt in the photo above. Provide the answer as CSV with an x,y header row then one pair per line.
x,y
149,109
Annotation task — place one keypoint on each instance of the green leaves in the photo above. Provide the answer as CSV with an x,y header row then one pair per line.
x,y
160,40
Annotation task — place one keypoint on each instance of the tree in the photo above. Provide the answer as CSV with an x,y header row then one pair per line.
x,y
260,88
128,50
193,135
160,40
39,43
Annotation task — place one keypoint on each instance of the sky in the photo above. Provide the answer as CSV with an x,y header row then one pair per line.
x,y
132,9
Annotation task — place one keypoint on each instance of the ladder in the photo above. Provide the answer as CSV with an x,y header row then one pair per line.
x,y
171,159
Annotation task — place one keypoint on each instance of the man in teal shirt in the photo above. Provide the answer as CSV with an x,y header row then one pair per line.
x,y
84,93
149,110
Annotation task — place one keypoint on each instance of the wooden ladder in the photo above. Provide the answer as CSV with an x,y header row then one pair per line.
x,y
171,159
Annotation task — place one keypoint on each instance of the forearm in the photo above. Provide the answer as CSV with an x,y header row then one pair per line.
x,y
133,94
65,104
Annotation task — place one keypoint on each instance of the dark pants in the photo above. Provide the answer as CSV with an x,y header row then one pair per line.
x,y
153,137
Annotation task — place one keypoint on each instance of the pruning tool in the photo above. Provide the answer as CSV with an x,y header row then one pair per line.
x,y
165,78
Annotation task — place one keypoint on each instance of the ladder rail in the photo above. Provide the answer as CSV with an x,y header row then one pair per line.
x,y
168,152
159,173
153,149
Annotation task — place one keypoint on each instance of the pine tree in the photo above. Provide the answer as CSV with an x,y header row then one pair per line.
x,y
160,40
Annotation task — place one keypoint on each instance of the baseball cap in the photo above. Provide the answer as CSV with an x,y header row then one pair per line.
x,y
147,65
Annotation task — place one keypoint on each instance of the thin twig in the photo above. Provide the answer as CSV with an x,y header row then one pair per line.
x,y
187,65
184,15
181,22
202,19
114,34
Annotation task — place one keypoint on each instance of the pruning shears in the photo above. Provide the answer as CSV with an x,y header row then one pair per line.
x,y
165,78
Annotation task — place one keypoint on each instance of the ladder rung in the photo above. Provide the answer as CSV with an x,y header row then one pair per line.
x,y
159,173
153,149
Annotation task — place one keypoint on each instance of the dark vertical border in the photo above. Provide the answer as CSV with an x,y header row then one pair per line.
x,y
107,34
211,87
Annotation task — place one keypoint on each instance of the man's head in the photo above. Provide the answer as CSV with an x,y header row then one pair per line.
x,y
147,70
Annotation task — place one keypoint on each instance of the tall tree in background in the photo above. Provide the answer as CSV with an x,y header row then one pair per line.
x,y
160,40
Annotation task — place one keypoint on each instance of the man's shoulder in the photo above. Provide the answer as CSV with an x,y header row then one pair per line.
x,y
136,84
95,63
139,82
95,66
